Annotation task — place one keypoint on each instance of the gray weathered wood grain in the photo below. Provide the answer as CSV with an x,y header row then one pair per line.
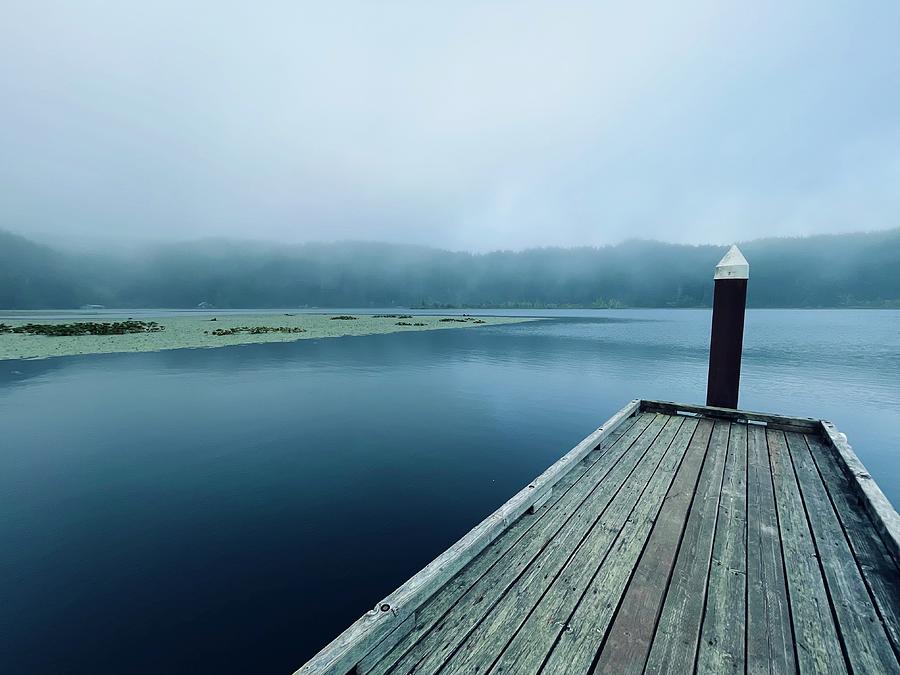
x,y
880,509
477,621
378,661
818,648
680,539
770,638
577,645
472,595
867,646
674,646
878,566
345,651
724,630
628,639
392,639
802,424
533,638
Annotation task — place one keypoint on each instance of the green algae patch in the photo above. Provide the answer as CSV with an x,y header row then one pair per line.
x,y
45,339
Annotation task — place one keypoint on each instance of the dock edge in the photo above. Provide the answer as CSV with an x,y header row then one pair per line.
x,y
388,620
379,629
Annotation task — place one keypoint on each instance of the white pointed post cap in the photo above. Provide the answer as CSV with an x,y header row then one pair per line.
x,y
733,266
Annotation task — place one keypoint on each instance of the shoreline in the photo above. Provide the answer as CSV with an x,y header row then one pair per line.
x,y
197,332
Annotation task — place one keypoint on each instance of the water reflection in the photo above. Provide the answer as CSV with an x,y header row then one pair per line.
x,y
209,510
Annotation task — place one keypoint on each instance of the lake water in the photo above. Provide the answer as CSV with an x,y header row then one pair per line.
x,y
232,510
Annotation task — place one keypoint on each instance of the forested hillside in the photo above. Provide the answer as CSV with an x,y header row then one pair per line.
x,y
853,270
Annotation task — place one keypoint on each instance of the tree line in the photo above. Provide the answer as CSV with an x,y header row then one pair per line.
x,y
848,270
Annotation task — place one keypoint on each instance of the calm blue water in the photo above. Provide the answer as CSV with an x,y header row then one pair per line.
x,y
231,510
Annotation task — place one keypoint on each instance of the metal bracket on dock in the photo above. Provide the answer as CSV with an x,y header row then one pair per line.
x,y
540,501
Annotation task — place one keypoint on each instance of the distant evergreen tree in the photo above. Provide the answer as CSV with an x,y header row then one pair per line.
x,y
823,271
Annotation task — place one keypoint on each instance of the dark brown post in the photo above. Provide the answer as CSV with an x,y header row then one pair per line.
x,y
726,343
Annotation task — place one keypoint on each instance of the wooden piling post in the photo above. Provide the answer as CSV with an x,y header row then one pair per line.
x,y
726,342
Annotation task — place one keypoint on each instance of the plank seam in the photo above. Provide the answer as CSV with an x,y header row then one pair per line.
x,y
747,551
784,571
637,564
568,558
812,537
537,555
718,494
801,424
879,508
345,651
613,543
562,495
875,605
687,517
709,563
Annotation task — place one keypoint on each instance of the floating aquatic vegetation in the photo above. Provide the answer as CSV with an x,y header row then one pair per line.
x,y
343,317
255,330
466,319
403,323
84,328
392,316
183,332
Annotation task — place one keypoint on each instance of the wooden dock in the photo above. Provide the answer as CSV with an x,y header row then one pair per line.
x,y
674,539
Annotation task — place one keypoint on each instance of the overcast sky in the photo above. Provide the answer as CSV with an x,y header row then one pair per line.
x,y
467,125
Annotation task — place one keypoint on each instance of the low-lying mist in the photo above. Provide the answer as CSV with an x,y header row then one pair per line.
x,y
852,270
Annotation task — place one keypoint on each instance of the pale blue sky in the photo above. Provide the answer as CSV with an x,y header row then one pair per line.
x,y
473,125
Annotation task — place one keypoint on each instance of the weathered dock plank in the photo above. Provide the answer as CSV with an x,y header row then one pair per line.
x,y
628,641
723,632
818,647
770,638
567,569
561,527
578,639
882,514
348,649
865,642
674,647
879,569
488,570
801,424
676,538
